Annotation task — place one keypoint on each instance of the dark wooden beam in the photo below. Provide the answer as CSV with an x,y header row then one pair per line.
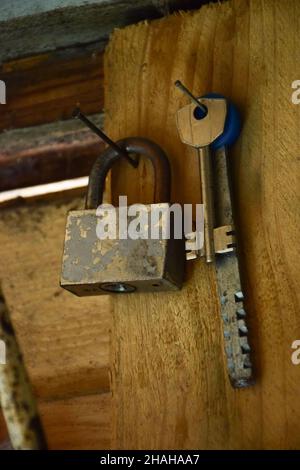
x,y
32,27
47,87
47,153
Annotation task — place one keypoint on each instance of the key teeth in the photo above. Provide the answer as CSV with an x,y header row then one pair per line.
x,y
193,246
242,382
243,330
224,239
245,345
239,367
235,332
239,296
241,313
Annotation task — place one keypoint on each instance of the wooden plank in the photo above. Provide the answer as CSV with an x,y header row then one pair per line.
x,y
170,385
78,423
47,87
65,340
73,424
48,153
63,23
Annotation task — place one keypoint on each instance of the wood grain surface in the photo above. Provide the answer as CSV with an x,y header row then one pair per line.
x,y
170,385
65,340
81,423
47,87
78,423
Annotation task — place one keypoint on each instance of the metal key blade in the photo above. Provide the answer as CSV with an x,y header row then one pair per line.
x,y
204,158
229,284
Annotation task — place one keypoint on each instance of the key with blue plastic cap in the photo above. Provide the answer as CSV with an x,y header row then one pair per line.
x,y
199,125
211,124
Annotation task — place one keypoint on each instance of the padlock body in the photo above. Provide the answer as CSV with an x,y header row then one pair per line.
x,y
94,266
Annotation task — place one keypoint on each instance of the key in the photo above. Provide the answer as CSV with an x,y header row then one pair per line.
x,y
210,124
200,129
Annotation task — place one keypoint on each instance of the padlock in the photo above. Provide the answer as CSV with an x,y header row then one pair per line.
x,y
94,266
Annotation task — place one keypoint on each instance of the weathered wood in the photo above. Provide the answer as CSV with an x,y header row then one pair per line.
x,y
33,26
65,340
47,153
74,423
78,423
170,384
47,87
17,400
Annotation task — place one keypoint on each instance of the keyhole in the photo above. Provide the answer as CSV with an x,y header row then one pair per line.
x,y
200,113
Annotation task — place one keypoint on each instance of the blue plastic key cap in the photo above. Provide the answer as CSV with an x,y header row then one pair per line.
x,y
233,124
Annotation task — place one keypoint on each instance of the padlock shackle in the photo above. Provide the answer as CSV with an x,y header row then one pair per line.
x,y
136,146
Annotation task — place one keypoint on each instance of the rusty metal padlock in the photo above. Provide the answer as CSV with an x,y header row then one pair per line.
x,y
94,266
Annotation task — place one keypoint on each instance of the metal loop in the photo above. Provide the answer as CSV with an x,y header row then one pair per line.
x,y
135,146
